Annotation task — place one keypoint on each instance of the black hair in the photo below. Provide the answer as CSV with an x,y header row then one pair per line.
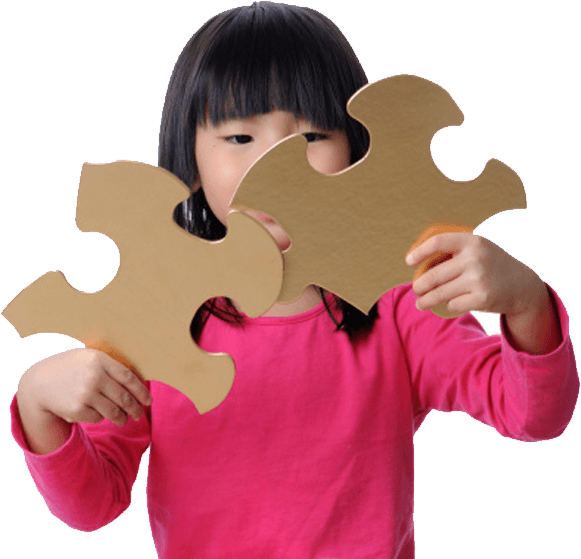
x,y
247,61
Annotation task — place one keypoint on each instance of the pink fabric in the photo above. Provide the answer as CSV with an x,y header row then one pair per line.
x,y
311,454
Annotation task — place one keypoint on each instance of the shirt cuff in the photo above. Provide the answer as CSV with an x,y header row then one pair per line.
x,y
69,448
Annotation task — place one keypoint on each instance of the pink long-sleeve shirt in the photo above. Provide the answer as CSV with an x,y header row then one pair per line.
x,y
311,454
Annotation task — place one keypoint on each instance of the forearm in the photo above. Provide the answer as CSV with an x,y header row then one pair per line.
x,y
78,483
455,366
536,330
83,469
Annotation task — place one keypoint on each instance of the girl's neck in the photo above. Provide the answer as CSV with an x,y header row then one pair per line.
x,y
308,300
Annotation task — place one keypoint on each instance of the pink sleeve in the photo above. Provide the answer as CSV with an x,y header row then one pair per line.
x,y
87,482
455,366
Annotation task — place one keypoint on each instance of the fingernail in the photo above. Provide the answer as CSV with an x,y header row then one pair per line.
x,y
409,260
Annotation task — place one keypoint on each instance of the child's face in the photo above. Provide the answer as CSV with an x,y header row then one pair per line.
x,y
226,151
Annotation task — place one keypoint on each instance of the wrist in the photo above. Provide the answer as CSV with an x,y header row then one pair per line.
x,y
43,431
533,301
537,329
30,391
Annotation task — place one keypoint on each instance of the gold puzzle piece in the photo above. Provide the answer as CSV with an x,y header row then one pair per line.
x,y
165,275
350,231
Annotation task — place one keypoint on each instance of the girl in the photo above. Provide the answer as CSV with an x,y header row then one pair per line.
x,y
311,455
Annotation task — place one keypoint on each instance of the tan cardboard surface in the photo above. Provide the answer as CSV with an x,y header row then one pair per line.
x,y
351,231
165,275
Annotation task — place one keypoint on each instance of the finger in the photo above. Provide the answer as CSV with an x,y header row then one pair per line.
x,y
87,415
442,294
444,242
109,409
462,304
128,379
444,272
122,398
437,229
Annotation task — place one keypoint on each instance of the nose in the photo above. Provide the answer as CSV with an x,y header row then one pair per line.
x,y
285,124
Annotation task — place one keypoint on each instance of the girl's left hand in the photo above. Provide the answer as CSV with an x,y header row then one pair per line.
x,y
479,276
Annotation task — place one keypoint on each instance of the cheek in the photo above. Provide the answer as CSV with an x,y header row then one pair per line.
x,y
330,159
343,159
216,204
219,181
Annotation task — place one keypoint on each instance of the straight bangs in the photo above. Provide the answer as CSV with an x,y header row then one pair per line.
x,y
251,60
275,58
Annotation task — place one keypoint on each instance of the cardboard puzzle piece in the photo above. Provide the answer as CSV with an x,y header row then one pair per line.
x,y
350,231
165,275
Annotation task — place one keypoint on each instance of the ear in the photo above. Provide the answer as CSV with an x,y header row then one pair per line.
x,y
196,185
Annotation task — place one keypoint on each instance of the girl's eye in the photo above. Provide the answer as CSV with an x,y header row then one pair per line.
x,y
239,139
314,136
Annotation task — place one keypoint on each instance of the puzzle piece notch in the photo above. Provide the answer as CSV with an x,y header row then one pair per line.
x,y
350,231
165,275
403,113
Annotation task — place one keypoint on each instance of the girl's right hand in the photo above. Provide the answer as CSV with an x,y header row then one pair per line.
x,y
85,385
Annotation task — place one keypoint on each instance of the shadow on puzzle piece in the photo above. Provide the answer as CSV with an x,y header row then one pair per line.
x,y
165,275
351,230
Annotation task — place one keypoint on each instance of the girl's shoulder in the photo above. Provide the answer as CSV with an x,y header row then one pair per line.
x,y
398,308
400,296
